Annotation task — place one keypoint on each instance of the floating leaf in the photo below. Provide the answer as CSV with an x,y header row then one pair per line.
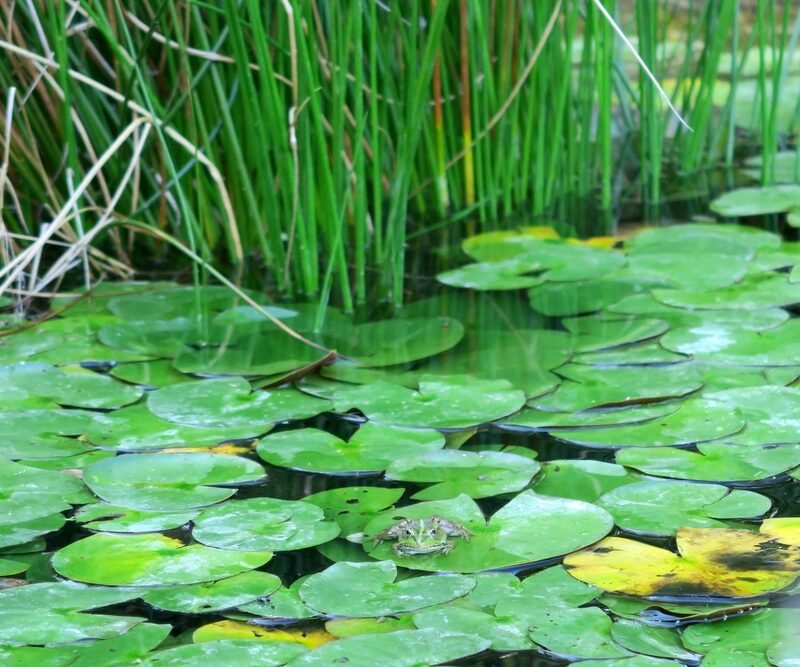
x,y
704,236
35,385
236,630
754,632
284,604
713,462
371,449
771,413
214,595
592,334
753,292
52,613
762,200
117,519
578,479
226,652
404,648
558,299
34,434
696,420
12,534
369,589
712,562
504,634
551,588
649,640
454,402
158,373
541,420
661,507
510,274
135,428
161,304
577,633
169,481
353,507
149,560
229,403
263,524
478,474
525,530
705,271
591,387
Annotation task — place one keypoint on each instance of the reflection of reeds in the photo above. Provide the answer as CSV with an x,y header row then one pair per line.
x,y
320,137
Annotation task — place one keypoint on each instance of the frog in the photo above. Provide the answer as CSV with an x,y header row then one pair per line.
x,y
423,536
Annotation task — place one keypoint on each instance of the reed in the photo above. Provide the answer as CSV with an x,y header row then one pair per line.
x,y
316,140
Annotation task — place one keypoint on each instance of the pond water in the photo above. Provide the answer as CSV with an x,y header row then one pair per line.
x,y
567,451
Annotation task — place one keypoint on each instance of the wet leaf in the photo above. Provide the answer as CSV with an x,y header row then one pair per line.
x,y
117,519
585,480
761,200
558,299
543,420
504,634
353,507
510,274
593,334
753,292
371,449
149,560
214,595
159,373
226,652
649,640
169,481
577,633
29,493
236,630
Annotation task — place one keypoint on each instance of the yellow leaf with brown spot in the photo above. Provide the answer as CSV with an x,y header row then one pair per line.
x,y
599,241
308,636
231,448
713,562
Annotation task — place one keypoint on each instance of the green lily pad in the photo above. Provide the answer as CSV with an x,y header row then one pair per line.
x,y
12,534
453,402
36,385
525,530
266,353
229,403
524,357
577,634
478,474
593,334
771,413
753,292
283,604
510,274
558,299
44,433
213,596
159,338
60,348
157,373
592,387
541,420
761,200
661,507
706,270
117,519
263,524
504,634
404,648
74,462
369,589
371,449
697,420
636,355
704,236
638,609
162,304
353,507
150,560
135,428
53,613
169,481
584,480
784,653
755,632
713,462
29,493
650,640
226,652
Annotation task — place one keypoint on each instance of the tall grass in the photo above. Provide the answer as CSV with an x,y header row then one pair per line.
x,y
317,139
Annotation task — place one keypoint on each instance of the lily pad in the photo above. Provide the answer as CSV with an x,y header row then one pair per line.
x,y
150,560
369,589
229,403
756,632
661,507
169,481
510,274
771,413
371,449
453,402
116,519
214,596
592,387
558,299
761,200
404,648
593,334
30,493
284,604
33,434
12,534
226,652
578,479
525,530
704,236
577,633
713,462
541,420
161,304
753,292
135,428
478,474
157,373
697,420
504,634
53,613
712,562
353,507
263,524
36,385
649,640
696,270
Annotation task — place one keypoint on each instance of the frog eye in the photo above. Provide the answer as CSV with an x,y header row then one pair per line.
x,y
432,532
409,532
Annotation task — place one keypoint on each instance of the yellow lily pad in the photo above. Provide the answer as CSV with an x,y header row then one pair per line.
x,y
711,562
310,637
